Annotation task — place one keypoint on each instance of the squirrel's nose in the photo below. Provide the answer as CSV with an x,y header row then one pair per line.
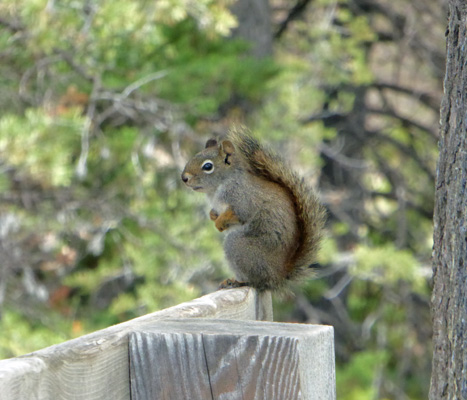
x,y
184,178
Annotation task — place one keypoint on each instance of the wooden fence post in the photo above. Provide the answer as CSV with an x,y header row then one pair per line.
x,y
95,366
224,359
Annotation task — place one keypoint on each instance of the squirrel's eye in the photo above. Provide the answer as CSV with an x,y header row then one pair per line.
x,y
208,167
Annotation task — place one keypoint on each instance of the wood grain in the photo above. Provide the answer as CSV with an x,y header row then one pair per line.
x,y
232,360
95,366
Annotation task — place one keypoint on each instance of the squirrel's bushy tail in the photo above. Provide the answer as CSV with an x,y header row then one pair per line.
x,y
310,213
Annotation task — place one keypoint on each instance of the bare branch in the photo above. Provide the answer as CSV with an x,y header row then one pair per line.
x,y
406,121
14,26
410,152
293,14
81,167
143,81
68,58
430,100
342,159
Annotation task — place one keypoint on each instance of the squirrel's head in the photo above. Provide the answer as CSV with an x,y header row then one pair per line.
x,y
207,169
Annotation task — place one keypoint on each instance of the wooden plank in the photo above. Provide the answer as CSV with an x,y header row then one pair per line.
x,y
95,366
230,360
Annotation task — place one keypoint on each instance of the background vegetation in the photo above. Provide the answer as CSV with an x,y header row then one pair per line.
x,y
101,104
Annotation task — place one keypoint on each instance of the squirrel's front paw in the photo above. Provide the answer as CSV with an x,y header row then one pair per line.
x,y
226,220
213,215
222,224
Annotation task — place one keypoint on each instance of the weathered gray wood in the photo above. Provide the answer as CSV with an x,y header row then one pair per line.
x,y
227,360
95,366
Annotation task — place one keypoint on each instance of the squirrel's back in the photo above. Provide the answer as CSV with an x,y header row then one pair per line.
x,y
310,214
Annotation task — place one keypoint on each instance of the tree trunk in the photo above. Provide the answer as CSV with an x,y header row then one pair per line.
x,y
449,299
254,25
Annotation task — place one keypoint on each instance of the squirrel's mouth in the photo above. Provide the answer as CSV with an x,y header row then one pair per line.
x,y
197,187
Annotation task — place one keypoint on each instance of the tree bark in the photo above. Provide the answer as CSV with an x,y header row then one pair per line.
x,y
449,299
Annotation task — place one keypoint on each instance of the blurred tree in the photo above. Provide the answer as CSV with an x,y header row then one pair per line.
x,y
449,299
99,101
366,91
254,25
103,101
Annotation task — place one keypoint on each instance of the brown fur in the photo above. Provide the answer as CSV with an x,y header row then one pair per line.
x,y
273,222
310,213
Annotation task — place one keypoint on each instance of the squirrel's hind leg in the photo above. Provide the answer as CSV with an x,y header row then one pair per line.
x,y
232,283
261,266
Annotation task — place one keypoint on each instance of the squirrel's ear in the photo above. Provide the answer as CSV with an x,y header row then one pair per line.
x,y
211,142
227,148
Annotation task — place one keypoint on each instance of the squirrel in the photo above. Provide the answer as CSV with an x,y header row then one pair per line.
x,y
272,220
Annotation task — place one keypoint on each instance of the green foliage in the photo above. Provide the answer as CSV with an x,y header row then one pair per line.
x,y
388,265
377,181
356,380
103,87
206,72
20,336
103,101
212,16
328,251
289,98
51,144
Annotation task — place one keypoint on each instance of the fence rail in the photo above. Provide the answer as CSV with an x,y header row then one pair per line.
x,y
109,364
